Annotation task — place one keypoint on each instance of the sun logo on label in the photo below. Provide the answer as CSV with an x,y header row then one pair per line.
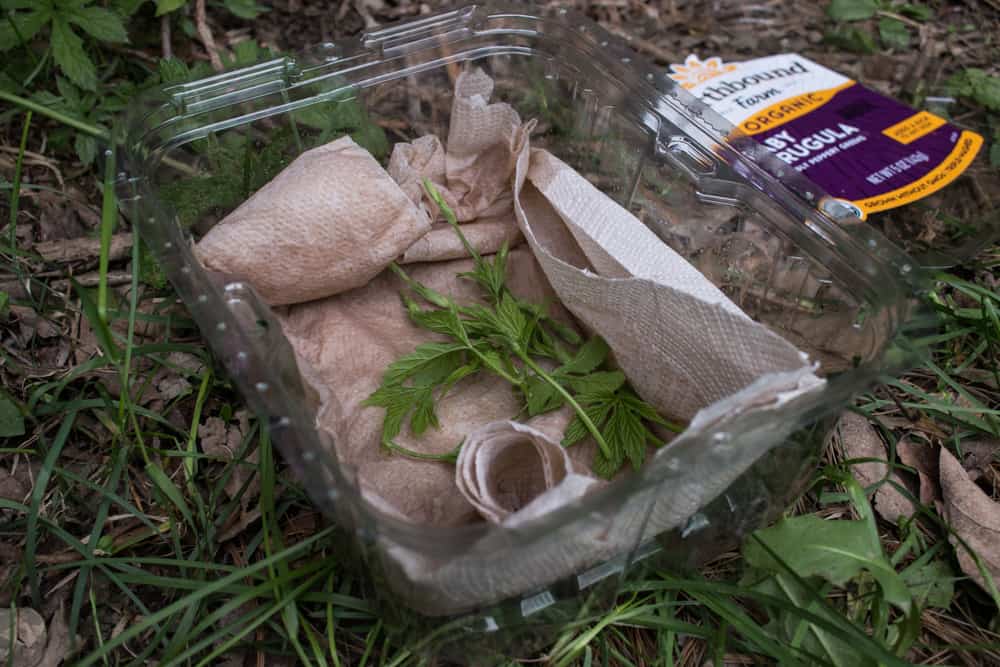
x,y
694,72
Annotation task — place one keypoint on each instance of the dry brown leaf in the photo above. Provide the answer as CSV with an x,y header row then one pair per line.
x,y
84,247
60,644
979,455
974,518
224,441
923,458
29,637
860,440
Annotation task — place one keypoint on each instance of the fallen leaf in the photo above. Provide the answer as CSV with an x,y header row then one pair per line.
x,y
973,516
222,441
29,638
923,458
12,488
860,440
979,455
60,644
84,247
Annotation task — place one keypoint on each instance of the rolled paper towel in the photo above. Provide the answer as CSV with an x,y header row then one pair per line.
x,y
329,222
508,470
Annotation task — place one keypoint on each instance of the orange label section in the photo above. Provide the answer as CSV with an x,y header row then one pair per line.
x,y
790,109
914,127
958,160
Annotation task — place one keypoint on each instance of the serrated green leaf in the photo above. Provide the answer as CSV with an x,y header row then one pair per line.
x,y
591,354
167,6
596,383
427,364
423,412
67,50
977,85
100,24
894,33
11,419
541,396
851,10
21,27
172,70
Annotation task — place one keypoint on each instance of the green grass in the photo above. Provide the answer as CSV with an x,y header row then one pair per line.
x,y
126,521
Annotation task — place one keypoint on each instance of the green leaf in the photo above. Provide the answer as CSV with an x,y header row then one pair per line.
x,y
932,583
4,302
67,49
918,12
423,412
245,9
100,24
540,396
596,383
837,551
11,419
427,364
852,39
591,354
86,148
372,138
170,491
852,10
167,6
23,26
894,33
977,85
172,70
128,7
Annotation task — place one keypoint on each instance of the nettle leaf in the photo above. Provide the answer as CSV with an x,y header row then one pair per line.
x,y
590,355
541,396
128,7
19,28
167,6
100,24
67,49
428,363
597,383
852,10
837,551
894,33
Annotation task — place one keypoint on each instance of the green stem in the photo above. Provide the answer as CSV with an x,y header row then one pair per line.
x,y
448,457
54,115
605,449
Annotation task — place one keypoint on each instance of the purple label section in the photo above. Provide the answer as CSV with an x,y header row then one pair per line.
x,y
841,146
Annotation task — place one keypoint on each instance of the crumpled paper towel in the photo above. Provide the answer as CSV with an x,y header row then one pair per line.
x,y
329,222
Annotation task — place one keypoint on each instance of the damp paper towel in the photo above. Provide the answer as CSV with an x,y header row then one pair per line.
x,y
685,347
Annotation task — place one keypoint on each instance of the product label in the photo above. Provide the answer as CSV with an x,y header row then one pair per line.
x,y
866,150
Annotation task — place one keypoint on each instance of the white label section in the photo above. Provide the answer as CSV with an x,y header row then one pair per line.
x,y
753,85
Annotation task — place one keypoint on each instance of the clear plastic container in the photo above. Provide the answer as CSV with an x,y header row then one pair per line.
x,y
836,289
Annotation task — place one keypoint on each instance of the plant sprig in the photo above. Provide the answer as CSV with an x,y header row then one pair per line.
x,y
519,342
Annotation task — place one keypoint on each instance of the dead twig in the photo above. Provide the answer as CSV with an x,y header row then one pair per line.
x,y
168,49
205,33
